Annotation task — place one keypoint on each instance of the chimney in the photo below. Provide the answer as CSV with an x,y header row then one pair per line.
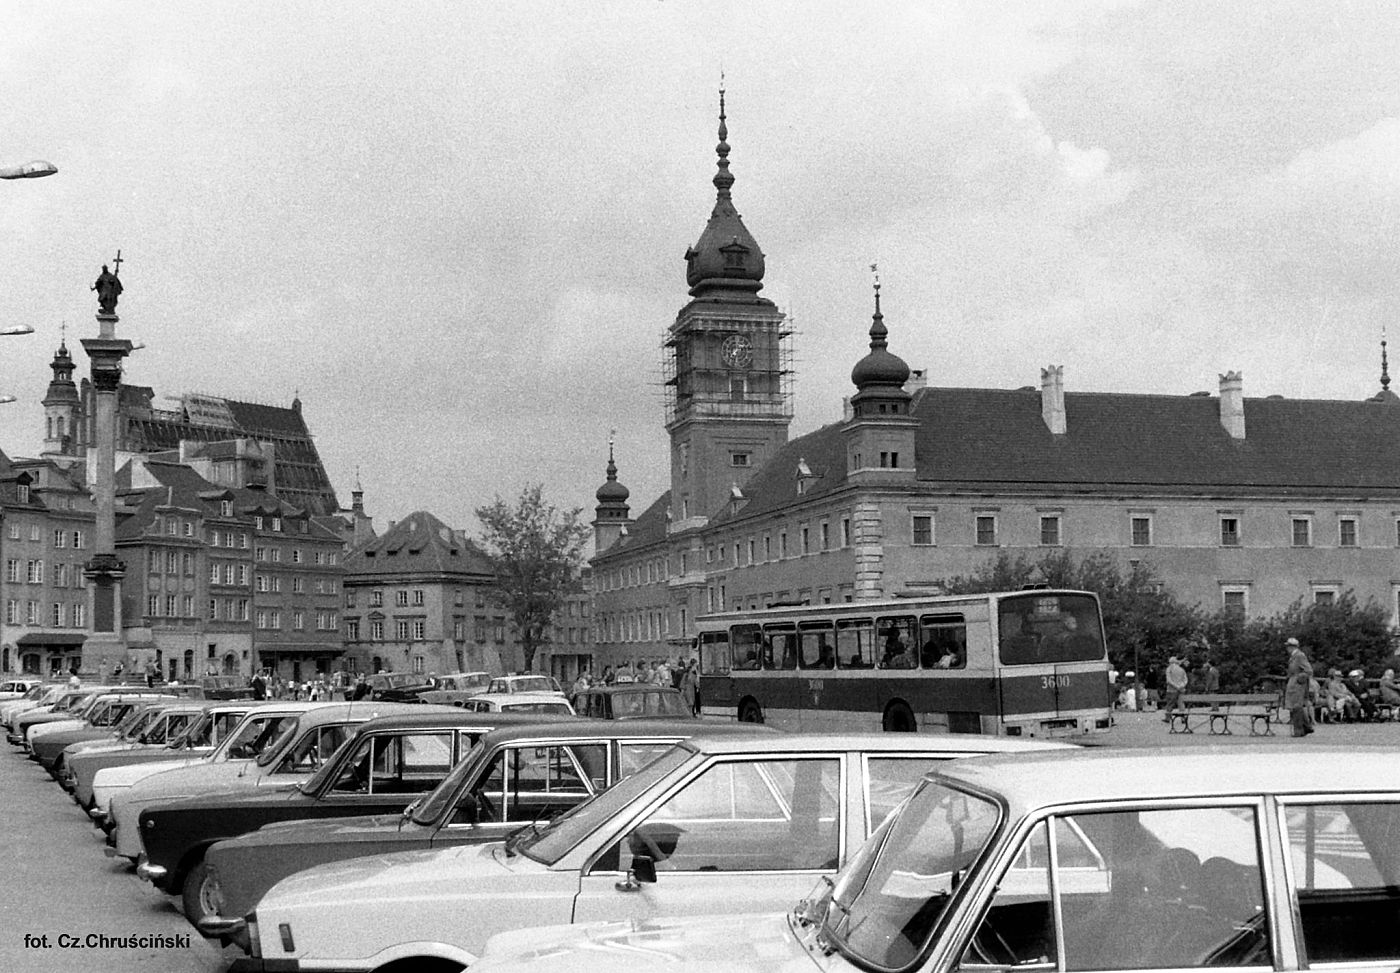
x,y
1232,403
1052,398
918,379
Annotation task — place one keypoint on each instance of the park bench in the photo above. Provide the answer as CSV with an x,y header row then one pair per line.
x,y
1216,709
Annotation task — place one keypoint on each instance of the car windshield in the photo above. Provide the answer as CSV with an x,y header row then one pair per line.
x,y
194,735
329,768
652,702
885,905
136,721
547,843
442,797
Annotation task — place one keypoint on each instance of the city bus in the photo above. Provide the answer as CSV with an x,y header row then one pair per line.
x,y
1029,663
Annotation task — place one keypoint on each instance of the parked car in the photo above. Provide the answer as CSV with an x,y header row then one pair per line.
x,y
456,688
172,728
225,687
227,725
630,701
516,776
1247,856
383,765
300,745
47,742
399,687
716,825
39,696
145,727
519,703
68,704
525,683
15,688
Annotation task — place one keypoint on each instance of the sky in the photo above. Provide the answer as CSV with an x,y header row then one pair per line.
x,y
457,230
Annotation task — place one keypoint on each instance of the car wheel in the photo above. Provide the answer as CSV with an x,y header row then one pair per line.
x,y
899,718
750,712
421,964
200,894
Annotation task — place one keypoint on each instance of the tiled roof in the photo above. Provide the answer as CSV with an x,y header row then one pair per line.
x,y
1174,443
417,545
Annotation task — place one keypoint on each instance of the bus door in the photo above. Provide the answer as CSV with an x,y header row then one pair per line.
x,y
716,684
817,690
855,650
780,690
1052,657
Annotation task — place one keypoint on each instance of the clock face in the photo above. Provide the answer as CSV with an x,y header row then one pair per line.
x,y
737,351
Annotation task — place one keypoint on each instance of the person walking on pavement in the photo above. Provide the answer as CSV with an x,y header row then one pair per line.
x,y
1298,691
1176,685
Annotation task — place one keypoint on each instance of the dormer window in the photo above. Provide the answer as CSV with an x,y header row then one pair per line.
x,y
23,489
226,508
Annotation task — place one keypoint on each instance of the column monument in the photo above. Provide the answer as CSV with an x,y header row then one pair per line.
x,y
106,645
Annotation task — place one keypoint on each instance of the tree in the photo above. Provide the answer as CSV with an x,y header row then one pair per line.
x,y
536,551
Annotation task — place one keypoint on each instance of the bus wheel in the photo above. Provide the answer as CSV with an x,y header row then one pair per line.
x,y
750,713
899,718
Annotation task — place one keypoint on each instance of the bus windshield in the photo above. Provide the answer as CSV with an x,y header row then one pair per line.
x,y
1036,628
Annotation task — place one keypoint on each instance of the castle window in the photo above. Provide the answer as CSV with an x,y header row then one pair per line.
x,y
1142,531
922,530
889,461
739,459
986,530
738,388
1229,532
1050,530
1346,532
1235,599
1302,532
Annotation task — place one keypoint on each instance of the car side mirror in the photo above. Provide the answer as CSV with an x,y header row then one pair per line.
x,y
642,872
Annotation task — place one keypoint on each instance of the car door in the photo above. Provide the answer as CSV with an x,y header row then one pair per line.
x,y
386,771
743,834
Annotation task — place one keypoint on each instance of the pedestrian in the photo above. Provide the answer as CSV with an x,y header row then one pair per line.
x,y
1209,677
1176,680
1389,688
361,687
690,687
582,682
1297,694
607,675
259,686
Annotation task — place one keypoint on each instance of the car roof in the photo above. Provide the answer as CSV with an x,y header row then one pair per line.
x,y
363,709
516,699
451,716
583,728
630,687
874,742
1090,774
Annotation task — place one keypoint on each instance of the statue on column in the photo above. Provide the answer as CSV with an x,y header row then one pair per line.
x,y
108,287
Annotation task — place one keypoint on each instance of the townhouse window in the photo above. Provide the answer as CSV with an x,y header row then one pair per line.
x,y
498,625
276,583
401,630
922,530
12,570
34,532
376,631
1050,530
187,563
1302,532
260,583
60,575
153,605
1235,599
419,664
332,557
274,618
986,525
352,629
56,614
172,563
401,598
419,630
298,585
188,606
228,574
243,540
277,525
1346,532
189,528
296,555
34,572
214,538
260,554
22,492
260,619
242,609
14,530
376,599
60,538
1229,532
213,609
276,553
11,612
479,626
418,596
172,527
242,574
79,539
171,606
31,613
298,620
79,615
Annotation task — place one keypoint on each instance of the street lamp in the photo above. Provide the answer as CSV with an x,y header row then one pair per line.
x,y
30,170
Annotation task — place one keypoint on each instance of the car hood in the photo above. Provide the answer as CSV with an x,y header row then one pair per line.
x,y
404,876
128,774
733,944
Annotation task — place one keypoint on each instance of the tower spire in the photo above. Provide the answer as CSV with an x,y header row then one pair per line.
x,y
723,178
1385,367
878,332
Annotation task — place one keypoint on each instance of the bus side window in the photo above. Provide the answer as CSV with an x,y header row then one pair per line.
x,y
855,643
945,642
748,643
897,642
714,653
780,649
817,650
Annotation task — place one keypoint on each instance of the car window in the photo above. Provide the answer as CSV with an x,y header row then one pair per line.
x,y
628,704
1163,888
258,733
746,815
1345,862
633,755
312,750
533,783
889,780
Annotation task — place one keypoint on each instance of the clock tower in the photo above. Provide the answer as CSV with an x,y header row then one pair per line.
x,y
727,356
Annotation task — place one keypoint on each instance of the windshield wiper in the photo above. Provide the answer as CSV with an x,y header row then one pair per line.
x,y
529,831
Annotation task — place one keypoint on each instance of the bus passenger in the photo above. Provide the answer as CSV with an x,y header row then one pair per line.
x,y
896,652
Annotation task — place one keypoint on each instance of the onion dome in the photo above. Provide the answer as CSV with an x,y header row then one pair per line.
x,y
880,367
726,257
612,491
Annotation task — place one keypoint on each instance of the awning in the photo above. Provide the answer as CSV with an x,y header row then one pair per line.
x,y
66,639
301,648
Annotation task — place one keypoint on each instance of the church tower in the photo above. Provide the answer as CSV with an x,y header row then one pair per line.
x,y
61,407
612,515
881,432
728,404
